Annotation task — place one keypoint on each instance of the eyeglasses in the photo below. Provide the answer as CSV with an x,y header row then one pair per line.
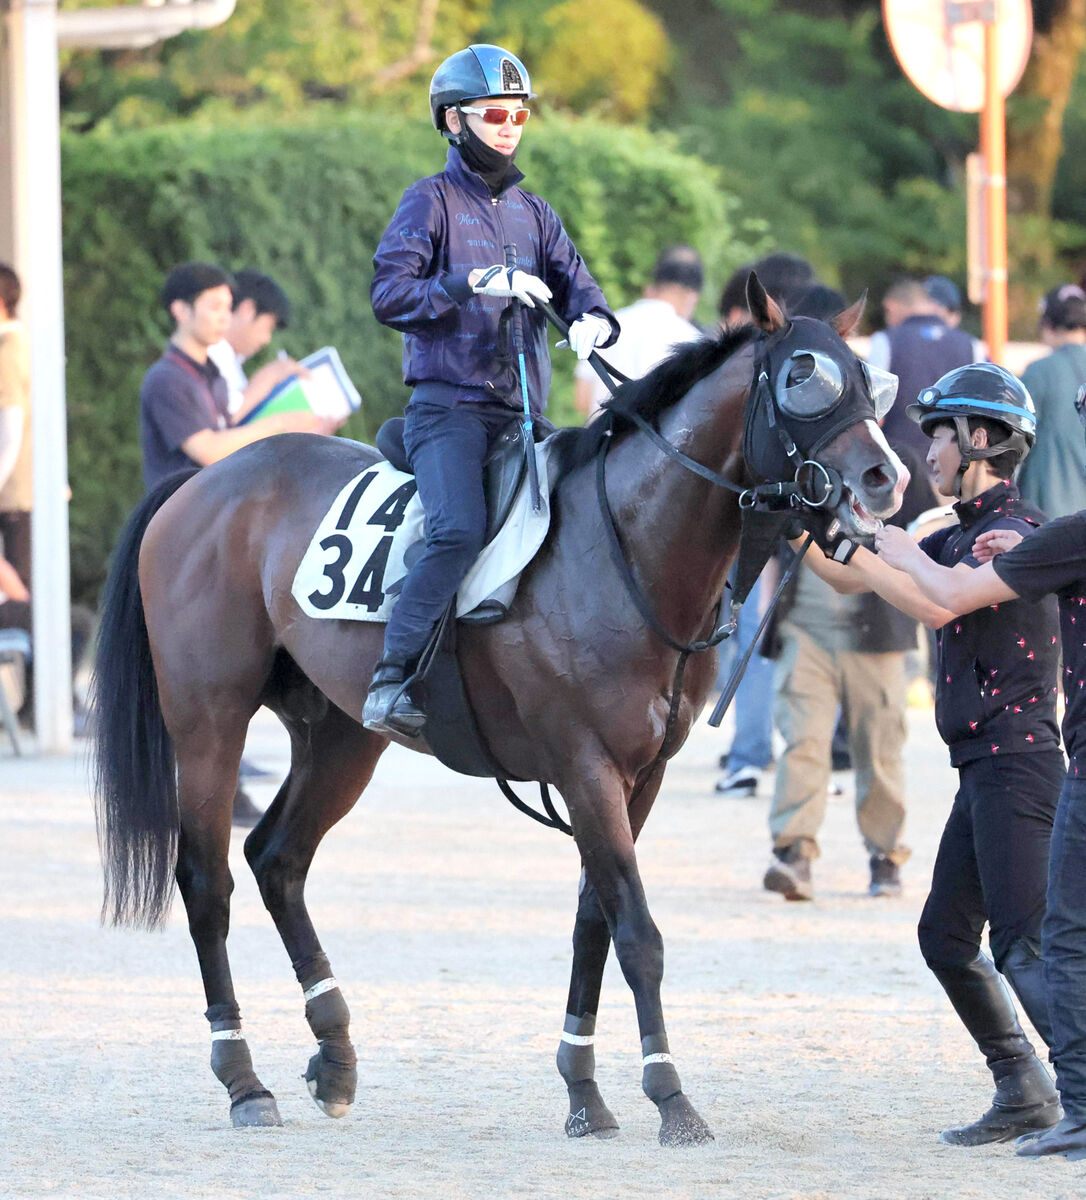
x,y
499,116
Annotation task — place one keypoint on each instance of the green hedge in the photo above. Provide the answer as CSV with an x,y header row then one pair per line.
x,y
308,204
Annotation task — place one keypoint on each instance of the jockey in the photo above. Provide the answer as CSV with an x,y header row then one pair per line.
x,y
441,278
995,708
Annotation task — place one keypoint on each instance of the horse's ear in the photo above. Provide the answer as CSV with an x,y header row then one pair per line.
x,y
764,310
846,322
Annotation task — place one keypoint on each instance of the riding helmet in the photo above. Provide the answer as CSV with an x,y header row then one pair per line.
x,y
977,390
480,70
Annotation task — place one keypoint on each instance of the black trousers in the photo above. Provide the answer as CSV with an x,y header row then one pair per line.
x,y
992,863
447,448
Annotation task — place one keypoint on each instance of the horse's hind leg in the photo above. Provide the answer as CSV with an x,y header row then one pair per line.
x,y
207,777
332,760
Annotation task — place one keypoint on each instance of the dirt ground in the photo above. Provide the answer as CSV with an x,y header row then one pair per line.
x,y
811,1037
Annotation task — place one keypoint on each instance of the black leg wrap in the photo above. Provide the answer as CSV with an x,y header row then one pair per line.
x,y
332,1073
680,1125
587,1112
251,1104
577,1062
577,1065
659,1079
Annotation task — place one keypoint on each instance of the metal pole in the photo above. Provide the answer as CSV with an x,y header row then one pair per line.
x,y
31,28
994,149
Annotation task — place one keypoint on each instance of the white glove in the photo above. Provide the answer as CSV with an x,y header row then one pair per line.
x,y
586,333
508,281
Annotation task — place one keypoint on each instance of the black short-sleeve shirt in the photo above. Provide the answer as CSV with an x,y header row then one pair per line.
x,y
1052,561
995,692
179,397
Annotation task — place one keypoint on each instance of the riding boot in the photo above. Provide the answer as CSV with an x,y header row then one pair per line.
x,y
1023,969
389,708
1025,1098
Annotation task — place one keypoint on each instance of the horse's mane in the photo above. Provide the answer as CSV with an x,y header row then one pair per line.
x,y
650,395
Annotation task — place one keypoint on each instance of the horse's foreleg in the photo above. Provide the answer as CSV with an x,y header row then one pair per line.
x,y
331,763
208,779
605,832
576,1056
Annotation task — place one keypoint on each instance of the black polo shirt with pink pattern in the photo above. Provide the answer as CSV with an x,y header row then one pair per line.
x,y
995,691
1053,561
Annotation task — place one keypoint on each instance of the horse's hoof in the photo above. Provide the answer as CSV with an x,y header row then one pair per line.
x,y
330,1108
331,1084
680,1124
253,1111
588,1114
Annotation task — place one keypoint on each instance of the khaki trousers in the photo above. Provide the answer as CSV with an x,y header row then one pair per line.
x,y
812,682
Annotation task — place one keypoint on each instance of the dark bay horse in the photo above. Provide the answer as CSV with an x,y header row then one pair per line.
x,y
571,688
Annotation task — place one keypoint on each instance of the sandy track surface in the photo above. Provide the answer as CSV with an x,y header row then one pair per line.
x,y
811,1037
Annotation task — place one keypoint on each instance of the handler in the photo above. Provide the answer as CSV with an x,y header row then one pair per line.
x,y
995,709
440,278
1051,561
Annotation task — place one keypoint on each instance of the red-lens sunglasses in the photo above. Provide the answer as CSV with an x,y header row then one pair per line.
x,y
499,116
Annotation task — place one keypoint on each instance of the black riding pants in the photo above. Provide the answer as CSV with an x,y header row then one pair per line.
x,y
447,448
992,863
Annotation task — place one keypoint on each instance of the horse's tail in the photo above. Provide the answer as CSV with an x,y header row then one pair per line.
x,y
135,771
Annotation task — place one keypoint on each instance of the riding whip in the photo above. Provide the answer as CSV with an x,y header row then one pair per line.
x,y
528,428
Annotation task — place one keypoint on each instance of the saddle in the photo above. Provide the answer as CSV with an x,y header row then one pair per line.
x,y
503,471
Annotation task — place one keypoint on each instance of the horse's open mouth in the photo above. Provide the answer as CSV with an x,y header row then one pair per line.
x,y
855,518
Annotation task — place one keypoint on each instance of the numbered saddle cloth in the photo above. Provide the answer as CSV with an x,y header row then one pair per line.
x,y
358,558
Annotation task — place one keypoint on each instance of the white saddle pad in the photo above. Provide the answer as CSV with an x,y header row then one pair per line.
x,y
359,556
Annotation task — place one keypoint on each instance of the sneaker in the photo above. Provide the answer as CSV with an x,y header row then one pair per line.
x,y
742,782
885,877
790,874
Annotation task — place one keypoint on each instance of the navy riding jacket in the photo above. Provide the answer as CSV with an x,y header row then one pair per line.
x,y
446,226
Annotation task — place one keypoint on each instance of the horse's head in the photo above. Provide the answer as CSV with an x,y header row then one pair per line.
x,y
814,416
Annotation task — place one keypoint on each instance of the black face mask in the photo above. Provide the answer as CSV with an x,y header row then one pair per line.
x,y
495,169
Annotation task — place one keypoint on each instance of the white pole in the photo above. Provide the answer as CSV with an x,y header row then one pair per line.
x,y
31,26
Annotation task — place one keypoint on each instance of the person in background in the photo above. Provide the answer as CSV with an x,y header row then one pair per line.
x,y
784,276
947,298
260,309
185,416
16,482
918,346
651,327
1054,475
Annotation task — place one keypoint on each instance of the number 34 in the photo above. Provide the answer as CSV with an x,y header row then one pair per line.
x,y
368,590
